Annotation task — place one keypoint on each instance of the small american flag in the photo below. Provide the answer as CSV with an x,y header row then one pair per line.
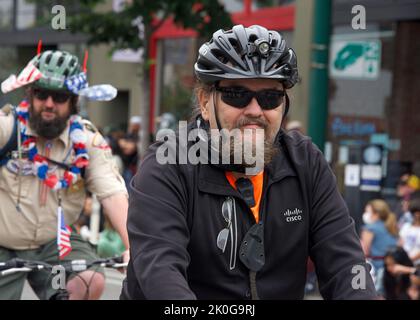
x,y
28,75
63,235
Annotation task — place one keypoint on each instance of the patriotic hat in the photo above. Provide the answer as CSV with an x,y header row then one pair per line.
x,y
61,71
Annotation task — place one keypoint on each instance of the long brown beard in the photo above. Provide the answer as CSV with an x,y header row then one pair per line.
x,y
270,148
47,129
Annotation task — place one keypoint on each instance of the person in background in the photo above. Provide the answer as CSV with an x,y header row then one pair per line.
x,y
379,235
401,280
57,157
408,188
295,125
134,128
410,232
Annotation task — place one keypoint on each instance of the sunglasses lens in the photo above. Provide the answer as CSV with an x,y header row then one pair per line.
x,y
222,239
270,99
58,97
41,95
236,97
239,97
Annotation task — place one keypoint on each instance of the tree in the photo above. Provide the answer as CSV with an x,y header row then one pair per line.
x,y
132,28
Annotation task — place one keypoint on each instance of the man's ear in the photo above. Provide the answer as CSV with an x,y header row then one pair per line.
x,y
203,99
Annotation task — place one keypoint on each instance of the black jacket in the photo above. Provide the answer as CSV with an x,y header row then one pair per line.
x,y
175,216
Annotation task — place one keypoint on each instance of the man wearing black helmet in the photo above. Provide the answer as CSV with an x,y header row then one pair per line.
x,y
236,229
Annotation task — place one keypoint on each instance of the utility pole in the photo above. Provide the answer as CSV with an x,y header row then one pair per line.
x,y
318,91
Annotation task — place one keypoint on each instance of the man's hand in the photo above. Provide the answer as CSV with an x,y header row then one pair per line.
x,y
398,269
116,207
126,258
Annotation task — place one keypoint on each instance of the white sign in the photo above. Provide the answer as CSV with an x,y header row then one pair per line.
x,y
371,178
352,175
128,55
355,59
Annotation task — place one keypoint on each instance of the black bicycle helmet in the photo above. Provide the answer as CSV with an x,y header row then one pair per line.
x,y
246,53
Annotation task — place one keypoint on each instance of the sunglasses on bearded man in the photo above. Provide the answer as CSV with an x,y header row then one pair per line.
x,y
57,96
240,97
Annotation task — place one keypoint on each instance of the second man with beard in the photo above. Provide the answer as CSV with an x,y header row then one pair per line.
x,y
55,159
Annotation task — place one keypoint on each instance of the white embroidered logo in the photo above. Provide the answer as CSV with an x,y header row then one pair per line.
x,y
294,215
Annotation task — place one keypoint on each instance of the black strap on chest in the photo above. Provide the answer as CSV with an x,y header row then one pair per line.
x,y
246,189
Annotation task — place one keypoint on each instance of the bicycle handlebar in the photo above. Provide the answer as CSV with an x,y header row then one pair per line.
x,y
20,265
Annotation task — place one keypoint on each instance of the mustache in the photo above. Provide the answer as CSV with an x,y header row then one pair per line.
x,y
247,121
46,109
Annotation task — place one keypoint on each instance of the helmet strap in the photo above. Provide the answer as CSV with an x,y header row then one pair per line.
x,y
219,127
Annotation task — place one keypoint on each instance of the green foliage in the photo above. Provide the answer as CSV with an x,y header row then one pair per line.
x,y
177,100
117,28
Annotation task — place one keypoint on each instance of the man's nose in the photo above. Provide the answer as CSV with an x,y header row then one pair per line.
x,y
253,109
49,103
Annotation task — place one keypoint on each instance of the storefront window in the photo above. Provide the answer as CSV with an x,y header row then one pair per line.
x,y
177,78
6,14
26,14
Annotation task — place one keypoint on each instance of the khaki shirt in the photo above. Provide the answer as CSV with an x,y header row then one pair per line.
x,y
36,223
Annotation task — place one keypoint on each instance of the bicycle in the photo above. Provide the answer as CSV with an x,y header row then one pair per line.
x,y
74,266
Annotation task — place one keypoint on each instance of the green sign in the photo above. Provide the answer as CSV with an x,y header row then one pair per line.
x,y
351,59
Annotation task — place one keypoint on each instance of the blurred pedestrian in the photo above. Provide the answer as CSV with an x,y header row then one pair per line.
x,y
401,279
410,232
379,235
408,188
295,125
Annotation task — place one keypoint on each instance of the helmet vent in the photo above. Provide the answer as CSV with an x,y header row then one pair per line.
x,y
60,61
235,45
48,58
220,56
66,73
252,38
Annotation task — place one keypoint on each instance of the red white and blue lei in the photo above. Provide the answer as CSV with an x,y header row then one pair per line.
x,y
40,163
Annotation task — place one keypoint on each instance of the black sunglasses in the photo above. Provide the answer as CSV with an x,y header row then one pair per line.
x,y
240,97
223,235
58,97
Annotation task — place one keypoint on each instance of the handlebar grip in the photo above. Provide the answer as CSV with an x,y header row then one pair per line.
x,y
118,259
14,263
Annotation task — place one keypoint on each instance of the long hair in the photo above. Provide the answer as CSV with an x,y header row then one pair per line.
x,y
382,209
396,287
199,86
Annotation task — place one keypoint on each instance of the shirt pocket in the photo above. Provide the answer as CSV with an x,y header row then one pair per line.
x,y
14,184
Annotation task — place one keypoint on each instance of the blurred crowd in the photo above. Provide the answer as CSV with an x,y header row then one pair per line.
x,y
125,146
